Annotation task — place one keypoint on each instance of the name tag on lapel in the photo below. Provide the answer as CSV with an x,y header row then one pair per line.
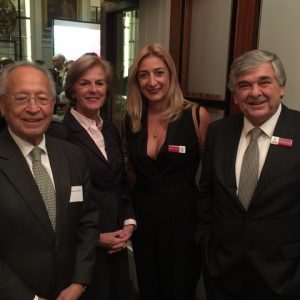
x,y
76,194
275,140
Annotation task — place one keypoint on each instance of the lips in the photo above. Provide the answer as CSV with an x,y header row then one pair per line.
x,y
256,102
93,98
32,120
153,91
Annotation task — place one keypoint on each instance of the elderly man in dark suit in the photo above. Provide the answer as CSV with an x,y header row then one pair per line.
x,y
249,204
47,224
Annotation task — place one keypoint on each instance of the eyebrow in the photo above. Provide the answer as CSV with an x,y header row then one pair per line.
x,y
89,80
259,79
156,69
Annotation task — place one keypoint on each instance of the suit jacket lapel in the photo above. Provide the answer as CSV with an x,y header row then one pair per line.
x,y
109,145
276,154
16,169
231,144
83,136
62,182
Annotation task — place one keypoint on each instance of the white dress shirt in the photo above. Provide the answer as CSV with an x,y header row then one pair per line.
x,y
263,142
26,148
92,129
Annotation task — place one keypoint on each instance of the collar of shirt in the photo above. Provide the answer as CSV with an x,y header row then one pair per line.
x,y
92,129
267,127
85,122
263,142
26,147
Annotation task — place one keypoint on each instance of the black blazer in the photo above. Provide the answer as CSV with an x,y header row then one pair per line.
x,y
34,259
267,235
2,123
108,177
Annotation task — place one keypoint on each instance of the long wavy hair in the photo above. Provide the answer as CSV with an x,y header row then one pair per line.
x,y
137,104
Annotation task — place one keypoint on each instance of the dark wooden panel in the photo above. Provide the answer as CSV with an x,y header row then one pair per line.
x,y
245,33
175,33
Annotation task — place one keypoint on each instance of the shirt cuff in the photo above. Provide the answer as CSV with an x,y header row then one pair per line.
x,y
130,222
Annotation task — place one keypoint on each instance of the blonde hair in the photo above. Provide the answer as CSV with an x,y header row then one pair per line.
x,y
136,103
81,66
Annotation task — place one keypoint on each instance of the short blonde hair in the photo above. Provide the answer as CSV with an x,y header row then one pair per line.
x,y
136,103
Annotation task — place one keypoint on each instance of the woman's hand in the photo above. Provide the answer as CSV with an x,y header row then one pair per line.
x,y
117,240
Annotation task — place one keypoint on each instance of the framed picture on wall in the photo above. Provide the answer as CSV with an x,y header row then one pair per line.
x,y
64,9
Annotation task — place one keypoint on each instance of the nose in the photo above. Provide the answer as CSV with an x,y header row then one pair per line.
x,y
92,87
32,105
255,91
152,79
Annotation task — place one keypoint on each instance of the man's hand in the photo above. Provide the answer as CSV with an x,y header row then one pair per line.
x,y
72,292
127,232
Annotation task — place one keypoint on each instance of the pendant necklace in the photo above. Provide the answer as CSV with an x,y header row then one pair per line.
x,y
155,134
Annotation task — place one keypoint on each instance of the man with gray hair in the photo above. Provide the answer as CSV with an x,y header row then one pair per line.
x,y
48,224
249,205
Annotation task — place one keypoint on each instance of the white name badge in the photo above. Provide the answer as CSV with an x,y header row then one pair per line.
x,y
76,194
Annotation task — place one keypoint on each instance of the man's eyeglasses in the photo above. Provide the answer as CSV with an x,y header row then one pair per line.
x,y
25,99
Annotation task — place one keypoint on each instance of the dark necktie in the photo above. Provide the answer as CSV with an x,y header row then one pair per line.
x,y
249,169
44,183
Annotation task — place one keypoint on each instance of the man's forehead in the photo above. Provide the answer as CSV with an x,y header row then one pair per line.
x,y
262,70
24,70
26,76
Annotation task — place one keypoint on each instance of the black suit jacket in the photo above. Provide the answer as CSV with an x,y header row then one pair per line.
x,y
34,258
108,178
267,235
2,123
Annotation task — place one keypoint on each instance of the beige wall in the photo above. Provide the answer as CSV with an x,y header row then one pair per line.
x,y
154,18
209,46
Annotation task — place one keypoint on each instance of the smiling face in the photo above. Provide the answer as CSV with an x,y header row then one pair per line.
x,y
29,120
153,78
258,93
89,92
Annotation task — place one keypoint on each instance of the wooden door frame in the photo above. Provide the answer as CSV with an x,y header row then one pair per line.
x,y
109,31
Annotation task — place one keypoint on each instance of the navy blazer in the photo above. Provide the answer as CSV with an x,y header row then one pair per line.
x,y
267,235
110,187
33,258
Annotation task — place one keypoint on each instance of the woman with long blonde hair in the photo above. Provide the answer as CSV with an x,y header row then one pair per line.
x,y
164,152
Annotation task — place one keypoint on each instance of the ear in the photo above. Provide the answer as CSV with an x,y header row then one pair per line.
x,y
282,91
235,100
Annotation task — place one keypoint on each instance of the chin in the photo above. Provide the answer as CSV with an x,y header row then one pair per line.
x,y
155,98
